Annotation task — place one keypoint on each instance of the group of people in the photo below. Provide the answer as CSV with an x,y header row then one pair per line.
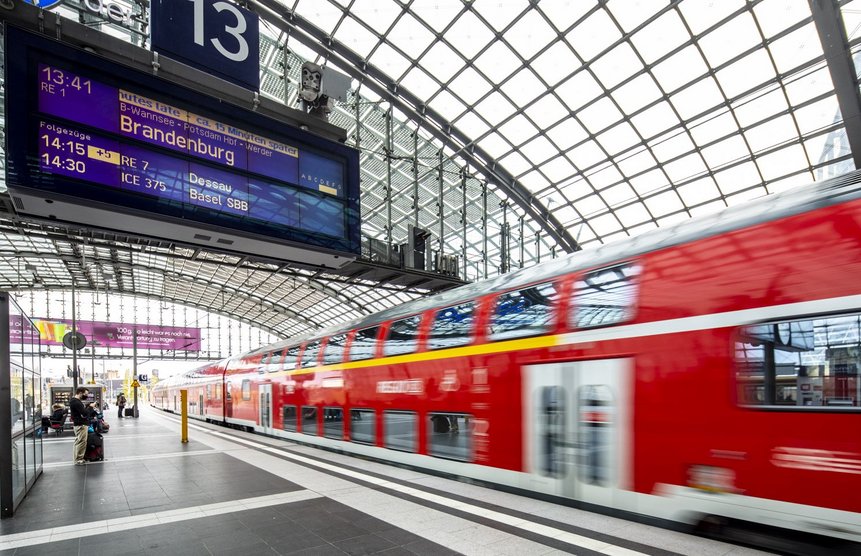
x,y
85,417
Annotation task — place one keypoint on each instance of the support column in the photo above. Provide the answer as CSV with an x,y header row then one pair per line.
x,y
7,501
388,200
835,45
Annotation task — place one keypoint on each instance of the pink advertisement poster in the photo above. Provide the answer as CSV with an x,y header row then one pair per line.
x,y
115,334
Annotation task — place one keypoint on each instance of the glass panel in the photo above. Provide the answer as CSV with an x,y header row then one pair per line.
x,y
18,469
403,336
364,343
400,430
363,426
309,356
452,326
31,457
272,361
595,433
750,373
38,451
309,419
29,410
246,389
551,431
288,421
450,436
606,296
333,422
290,355
17,401
334,352
801,363
524,312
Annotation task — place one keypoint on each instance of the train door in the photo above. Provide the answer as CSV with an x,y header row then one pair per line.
x,y
265,408
577,428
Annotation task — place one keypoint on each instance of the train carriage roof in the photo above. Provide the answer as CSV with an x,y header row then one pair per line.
x,y
772,207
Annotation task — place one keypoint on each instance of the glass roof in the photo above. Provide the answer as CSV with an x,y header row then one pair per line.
x,y
618,116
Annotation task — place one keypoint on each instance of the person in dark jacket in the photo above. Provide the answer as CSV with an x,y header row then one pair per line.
x,y
121,404
58,415
58,411
81,422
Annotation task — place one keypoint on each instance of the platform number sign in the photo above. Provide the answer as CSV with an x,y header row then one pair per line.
x,y
215,36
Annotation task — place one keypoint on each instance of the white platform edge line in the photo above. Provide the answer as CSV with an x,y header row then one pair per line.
x,y
552,532
43,536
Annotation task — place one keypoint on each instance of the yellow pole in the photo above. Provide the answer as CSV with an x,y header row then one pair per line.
x,y
183,401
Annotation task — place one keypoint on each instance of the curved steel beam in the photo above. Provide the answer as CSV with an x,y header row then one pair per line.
x,y
307,281
233,291
411,105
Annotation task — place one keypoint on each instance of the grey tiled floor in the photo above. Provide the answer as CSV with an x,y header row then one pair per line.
x,y
320,526
148,470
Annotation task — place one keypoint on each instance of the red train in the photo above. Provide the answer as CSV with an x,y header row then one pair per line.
x,y
709,370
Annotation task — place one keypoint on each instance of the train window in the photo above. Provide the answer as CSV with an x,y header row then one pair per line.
x,y
450,436
813,363
550,431
309,419
290,355
333,422
595,424
403,336
275,363
246,389
334,352
364,343
363,425
606,296
400,430
452,326
289,419
218,391
309,356
525,312
266,362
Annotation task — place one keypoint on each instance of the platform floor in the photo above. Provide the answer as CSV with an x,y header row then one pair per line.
x,y
227,492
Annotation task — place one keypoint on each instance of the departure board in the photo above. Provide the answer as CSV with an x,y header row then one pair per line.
x,y
114,135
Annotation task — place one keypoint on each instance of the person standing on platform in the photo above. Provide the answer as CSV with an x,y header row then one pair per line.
x,y
81,421
121,404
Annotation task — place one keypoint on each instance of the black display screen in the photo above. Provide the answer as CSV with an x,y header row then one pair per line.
x,y
88,128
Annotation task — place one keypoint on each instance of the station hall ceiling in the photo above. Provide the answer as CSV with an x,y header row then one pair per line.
x,y
575,123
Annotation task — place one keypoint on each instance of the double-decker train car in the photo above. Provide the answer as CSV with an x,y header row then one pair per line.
x,y
708,371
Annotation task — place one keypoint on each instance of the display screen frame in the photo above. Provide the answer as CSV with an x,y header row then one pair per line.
x,y
24,54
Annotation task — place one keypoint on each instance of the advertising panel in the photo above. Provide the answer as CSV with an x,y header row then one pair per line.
x,y
114,334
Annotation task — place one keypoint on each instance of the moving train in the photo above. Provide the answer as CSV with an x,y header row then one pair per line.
x,y
705,373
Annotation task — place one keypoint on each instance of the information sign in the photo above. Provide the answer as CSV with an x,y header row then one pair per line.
x,y
215,36
145,144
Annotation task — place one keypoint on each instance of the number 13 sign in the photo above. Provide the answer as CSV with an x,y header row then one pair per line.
x,y
214,36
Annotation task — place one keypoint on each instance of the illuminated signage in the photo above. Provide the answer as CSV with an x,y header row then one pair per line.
x,y
142,143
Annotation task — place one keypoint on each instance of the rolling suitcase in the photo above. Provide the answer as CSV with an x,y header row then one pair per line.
x,y
129,412
95,447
